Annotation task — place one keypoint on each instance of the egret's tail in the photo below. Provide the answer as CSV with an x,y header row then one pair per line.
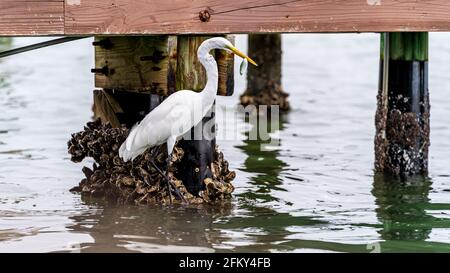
x,y
128,155
126,150
124,153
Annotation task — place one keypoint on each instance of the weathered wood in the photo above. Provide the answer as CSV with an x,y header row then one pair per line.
x,y
147,64
264,82
122,107
266,51
25,17
225,64
132,63
249,16
141,17
106,108
190,73
403,113
172,68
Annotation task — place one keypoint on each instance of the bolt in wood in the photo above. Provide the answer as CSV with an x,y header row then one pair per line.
x,y
105,43
104,70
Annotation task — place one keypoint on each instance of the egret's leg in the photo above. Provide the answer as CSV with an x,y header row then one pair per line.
x,y
155,151
169,182
153,155
167,177
164,177
170,144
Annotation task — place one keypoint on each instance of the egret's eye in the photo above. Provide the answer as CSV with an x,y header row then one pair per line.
x,y
243,66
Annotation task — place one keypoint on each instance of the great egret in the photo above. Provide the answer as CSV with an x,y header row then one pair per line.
x,y
181,111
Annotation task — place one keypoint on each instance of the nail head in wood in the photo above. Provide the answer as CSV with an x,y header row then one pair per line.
x,y
204,16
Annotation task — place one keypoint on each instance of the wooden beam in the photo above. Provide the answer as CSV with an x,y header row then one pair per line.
x,y
132,63
144,17
250,16
34,18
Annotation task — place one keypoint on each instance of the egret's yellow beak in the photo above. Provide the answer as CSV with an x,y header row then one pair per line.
x,y
242,55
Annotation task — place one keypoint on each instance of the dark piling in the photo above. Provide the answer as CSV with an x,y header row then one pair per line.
x,y
403,113
264,82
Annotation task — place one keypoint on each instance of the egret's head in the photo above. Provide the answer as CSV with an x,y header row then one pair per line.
x,y
222,43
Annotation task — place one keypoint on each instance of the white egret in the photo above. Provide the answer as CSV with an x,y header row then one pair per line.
x,y
181,111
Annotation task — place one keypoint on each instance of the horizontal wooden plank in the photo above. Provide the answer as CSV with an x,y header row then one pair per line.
x,y
250,16
140,17
27,17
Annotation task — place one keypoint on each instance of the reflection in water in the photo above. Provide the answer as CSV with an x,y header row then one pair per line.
x,y
404,210
262,228
401,205
263,163
315,192
148,228
406,214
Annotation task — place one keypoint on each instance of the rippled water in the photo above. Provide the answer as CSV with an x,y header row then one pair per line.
x,y
315,192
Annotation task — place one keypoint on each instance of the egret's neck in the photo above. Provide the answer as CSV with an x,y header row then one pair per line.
x,y
212,78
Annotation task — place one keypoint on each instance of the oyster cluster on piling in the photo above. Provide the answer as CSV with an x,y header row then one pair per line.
x,y
272,94
138,181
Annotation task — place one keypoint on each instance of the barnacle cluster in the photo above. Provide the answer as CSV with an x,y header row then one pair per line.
x,y
138,181
272,94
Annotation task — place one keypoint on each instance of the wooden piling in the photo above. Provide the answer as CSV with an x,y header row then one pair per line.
x,y
264,82
137,73
190,74
199,155
133,72
403,113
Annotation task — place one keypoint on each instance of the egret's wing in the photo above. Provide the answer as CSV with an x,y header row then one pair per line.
x,y
172,116
181,100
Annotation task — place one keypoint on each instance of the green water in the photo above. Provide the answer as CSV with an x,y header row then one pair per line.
x,y
314,190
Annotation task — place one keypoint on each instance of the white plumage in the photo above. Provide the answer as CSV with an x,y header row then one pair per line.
x,y
182,110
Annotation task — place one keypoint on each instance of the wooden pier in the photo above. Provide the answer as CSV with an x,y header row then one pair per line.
x,y
142,17
153,22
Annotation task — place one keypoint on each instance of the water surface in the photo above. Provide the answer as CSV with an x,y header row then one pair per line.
x,y
315,192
